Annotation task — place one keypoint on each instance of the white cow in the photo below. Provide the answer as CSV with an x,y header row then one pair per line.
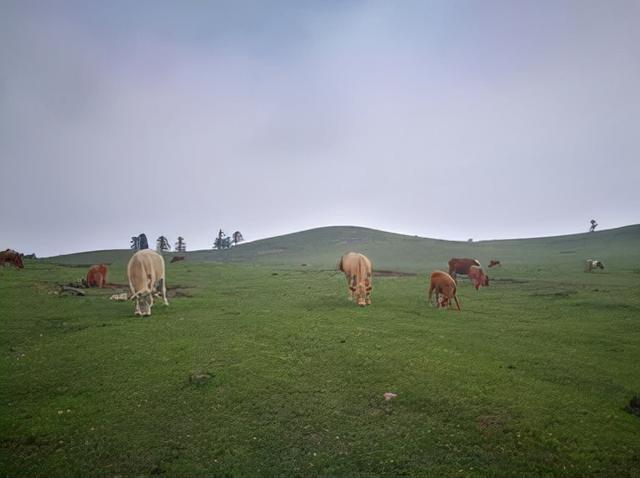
x,y
591,264
146,276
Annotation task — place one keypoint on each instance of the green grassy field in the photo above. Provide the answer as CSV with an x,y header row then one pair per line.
x,y
530,379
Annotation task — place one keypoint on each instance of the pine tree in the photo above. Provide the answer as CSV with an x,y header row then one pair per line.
x,y
162,244
181,246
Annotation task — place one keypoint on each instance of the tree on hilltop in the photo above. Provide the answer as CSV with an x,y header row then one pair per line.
x,y
162,244
181,246
237,237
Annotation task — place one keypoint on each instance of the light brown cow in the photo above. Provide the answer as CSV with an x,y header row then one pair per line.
x,y
478,277
461,266
357,270
146,276
97,276
445,289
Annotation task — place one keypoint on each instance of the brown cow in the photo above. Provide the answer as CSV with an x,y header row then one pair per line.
x,y
445,288
357,270
176,259
494,263
97,276
478,277
11,257
461,266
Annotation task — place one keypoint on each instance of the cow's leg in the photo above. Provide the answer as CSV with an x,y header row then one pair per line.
x,y
164,291
352,287
368,291
457,303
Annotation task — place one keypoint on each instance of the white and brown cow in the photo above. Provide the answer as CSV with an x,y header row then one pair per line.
x,y
146,276
478,277
591,264
357,270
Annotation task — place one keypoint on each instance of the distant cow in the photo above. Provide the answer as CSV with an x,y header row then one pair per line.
x,y
146,276
445,289
494,263
176,259
97,276
357,270
11,257
591,264
478,277
461,266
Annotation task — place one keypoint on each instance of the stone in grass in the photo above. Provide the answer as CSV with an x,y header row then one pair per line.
x,y
634,406
200,378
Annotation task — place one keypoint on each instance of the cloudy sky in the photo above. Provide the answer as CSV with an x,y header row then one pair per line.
x,y
447,119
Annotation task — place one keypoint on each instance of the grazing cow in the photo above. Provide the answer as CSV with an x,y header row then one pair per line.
x,y
357,270
478,277
146,276
11,257
494,263
97,276
176,259
461,266
591,264
445,289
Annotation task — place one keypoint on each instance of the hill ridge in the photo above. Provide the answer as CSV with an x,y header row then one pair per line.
x,y
320,247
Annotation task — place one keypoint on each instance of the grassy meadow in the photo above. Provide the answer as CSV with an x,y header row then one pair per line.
x,y
262,367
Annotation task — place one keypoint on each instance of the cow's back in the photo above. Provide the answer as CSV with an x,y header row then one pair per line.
x,y
462,265
144,269
349,263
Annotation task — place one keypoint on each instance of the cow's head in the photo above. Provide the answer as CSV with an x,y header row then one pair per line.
x,y
143,303
599,265
443,301
361,293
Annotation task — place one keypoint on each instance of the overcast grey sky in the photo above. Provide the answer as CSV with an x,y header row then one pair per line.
x,y
446,119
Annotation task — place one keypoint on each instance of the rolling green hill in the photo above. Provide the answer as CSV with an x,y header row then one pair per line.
x,y
320,249
262,367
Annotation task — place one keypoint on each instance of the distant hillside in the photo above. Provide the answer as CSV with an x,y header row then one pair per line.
x,y
320,249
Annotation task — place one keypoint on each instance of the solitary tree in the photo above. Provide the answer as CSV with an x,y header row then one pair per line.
x,y
593,226
237,237
181,246
222,241
134,243
162,244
